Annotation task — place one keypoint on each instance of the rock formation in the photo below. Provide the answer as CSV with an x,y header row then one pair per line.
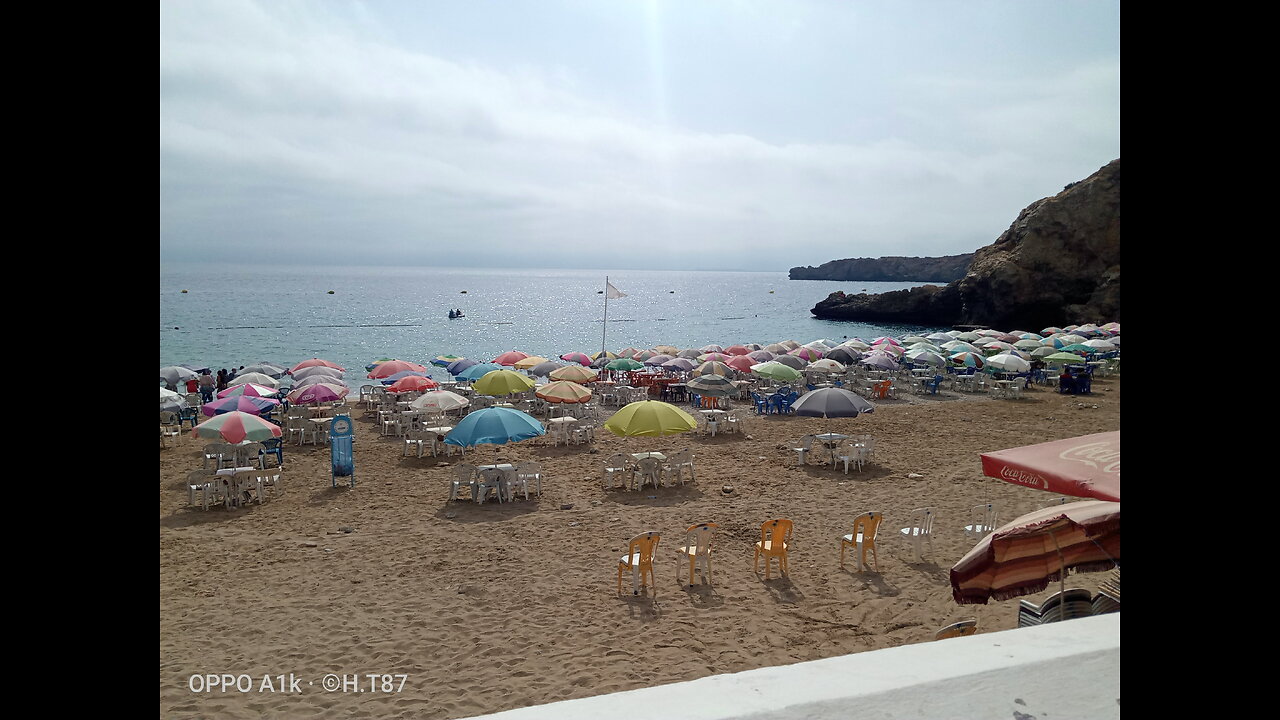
x,y
888,269
1057,264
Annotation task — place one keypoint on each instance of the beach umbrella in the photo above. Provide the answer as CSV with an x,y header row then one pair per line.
x,y
712,386
761,355
314,362
956,346
830,403
650,418
1099,345
826,364
271,370
577,357
1022,557
775,371
391,367
1042,351
457,367
938,337
969,337
657,360
319,379
643,355
543,369
690,353
439,401
413,383
510,357
175,375
968,359
1006,362
255,378
236,427
604,354
792,361
1077,348
789,345
1063,358
494,426
530,362
600,362
1028,344
843,355
712,367
390,379
623,363
167,395
777,348
444,360
684,364
475,372
666,349
563,391
855,344
711,348
807,354
317,393
1086,466
925,357
575,373
741,363
737,350
502,382
250,389
317,371
714,357
241,403
881,360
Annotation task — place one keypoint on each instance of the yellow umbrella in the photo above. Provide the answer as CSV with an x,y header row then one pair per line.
x,y
574,373
529,362
563,391
650,418
502,382
606,353
666,349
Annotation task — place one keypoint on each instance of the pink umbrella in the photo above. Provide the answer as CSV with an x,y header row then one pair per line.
x,y
391,367
313,362
317,393
580,358
805,353
249,389
242,403
236,427
741,363
1087,466
413,382
714,356
510,358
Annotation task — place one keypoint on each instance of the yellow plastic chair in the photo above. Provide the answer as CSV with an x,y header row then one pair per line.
x,y
639,560
865,529
697,548
957,629
775,535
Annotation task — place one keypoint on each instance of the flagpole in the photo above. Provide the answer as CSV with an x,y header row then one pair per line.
x,y
605,327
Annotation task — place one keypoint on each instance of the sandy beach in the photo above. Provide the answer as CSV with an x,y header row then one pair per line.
x,y
480,608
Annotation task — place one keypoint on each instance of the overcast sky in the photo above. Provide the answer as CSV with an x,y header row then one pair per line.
x,y
699,134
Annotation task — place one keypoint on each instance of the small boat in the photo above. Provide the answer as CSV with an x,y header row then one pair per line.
x,y
455,314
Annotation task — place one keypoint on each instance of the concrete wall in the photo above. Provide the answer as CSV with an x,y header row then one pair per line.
x,y
1061,670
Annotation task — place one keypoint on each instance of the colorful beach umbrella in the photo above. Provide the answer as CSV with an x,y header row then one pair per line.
x,y
317,393
510,358
457,367
529,362
714,357
577,357
494,426
679,363
807,353
563,391
712,386
241,403
545,369
317,371
502,382
444,360
250,389
393,379
1008,362
1063,358
236,427
741,363
391,367
413,383
650,418
176,374
314,362
826,364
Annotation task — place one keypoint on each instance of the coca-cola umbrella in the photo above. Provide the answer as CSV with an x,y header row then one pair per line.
x,y
1087,466
317,393
1022,557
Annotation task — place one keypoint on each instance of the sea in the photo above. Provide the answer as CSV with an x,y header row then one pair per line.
x,y
224,316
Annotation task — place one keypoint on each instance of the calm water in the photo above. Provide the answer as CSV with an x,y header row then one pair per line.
x,y
233,316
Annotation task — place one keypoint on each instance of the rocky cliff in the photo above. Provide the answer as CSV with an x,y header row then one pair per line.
x,y
888,269
1057,264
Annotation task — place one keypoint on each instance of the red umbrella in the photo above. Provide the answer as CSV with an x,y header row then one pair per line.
x,y
736,350
243,403
313,362
741,363
580,358
412,382
391,367
236,427
1087,466
1024,556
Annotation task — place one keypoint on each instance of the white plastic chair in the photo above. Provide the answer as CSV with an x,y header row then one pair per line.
x,y
853,454
649,470
806,444
615,468
678,462
983,520
490,479
464,475
920,530
696,551
530,471
415,439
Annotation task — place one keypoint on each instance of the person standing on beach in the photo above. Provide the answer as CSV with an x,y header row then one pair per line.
x,y
206,386
222,379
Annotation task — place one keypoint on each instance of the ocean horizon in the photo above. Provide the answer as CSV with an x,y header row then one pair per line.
x,y
227,315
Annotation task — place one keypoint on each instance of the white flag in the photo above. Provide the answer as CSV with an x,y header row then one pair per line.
x,y
612,292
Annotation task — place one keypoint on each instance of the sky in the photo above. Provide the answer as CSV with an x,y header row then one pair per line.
x,y
700,135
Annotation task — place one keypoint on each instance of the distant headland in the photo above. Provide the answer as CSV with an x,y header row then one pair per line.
x,y
888,269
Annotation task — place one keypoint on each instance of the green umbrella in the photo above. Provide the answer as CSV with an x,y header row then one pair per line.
x,y
624,363
775,370
1063,357
502,382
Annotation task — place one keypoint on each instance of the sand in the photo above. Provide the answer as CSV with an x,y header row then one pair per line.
x,y
487,608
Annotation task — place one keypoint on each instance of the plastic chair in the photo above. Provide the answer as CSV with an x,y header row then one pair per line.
x,y
490,479
530,470
170,428
761,406
697,549
732,423
268,480
202,482
920,530
853,455
983,520
806,444
416,440
464,475
274,446
678,462
775,536
639,560
649,470
616,468
957,629
865,529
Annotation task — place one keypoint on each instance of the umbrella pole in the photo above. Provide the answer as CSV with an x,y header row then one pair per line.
x,y
1062,574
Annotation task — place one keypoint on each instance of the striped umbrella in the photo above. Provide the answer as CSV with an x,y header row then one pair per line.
x,y
238,403
391,367
236,427
577,357
575,373
712,367
712,386
250,389
564,391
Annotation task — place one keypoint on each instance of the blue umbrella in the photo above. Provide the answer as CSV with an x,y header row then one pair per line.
x,y
457,366
494,426
475,372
